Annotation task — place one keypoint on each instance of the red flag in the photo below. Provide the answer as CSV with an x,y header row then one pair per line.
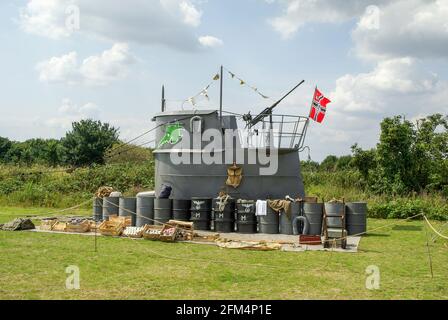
x,y
319,106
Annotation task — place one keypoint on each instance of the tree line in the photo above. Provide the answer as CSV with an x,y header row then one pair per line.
x,y
86,143
409,157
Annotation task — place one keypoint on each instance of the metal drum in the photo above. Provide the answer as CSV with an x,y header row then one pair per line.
x,y
145,210
97,209
181,210
246,221
270,222
128,209
162,210
224,216
201,213
286,222
334,212
356,217
314,213
110,207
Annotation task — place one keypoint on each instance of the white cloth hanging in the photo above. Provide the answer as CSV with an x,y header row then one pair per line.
x,y
261,207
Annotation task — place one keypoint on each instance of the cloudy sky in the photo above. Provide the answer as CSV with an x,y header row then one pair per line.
x,y
372,58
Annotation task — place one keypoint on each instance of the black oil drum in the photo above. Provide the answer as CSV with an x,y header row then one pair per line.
x,y
110,207
224,215
181,210
269,223
128,209
97,209
201,213
162,211
145,210
246,221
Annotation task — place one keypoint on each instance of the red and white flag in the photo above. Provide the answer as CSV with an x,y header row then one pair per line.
x,y
319,106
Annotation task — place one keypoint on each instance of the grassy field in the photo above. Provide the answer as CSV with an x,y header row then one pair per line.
x,y
33,267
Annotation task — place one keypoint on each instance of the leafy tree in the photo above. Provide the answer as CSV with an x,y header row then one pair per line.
x,y
408,158
344,162
88,142
363,160
5,145
329,163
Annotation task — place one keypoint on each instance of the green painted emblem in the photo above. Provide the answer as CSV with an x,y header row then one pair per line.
x,y
173,134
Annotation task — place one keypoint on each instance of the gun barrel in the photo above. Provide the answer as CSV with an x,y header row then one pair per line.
x,y
268,111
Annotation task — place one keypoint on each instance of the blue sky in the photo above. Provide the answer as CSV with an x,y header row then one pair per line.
x,y
371,61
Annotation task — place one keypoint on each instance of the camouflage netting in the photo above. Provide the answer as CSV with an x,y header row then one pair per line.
x,y
17,225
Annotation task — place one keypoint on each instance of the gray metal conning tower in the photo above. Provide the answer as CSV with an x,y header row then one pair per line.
x,y
202,180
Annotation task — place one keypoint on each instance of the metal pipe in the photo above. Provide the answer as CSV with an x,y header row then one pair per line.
x,y
220,95
295,225
163,98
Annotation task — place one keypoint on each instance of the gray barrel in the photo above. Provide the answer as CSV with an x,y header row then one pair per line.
x,y
270,222
128,208
163,210
286,221
145,210
246,220
181,210
314,213
334,212
201,213
224,218
110,207
356,217
97,209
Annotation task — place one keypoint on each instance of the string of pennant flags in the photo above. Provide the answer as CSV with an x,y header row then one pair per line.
x,y
244,83
318,106
204,92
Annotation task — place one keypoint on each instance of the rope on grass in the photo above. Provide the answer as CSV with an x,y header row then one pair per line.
x,y
71,208
434,229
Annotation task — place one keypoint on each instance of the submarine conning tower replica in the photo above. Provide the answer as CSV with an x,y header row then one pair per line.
x,y
258,140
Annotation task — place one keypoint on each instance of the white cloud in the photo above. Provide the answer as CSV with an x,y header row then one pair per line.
x,y
167,22
70,112
191,15
44,17
111,65
299,12
210,41
381,89
414,28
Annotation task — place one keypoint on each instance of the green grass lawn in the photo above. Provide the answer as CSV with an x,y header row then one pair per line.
x,y
32,266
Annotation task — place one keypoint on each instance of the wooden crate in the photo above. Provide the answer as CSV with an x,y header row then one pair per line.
x,y
189,226
310,240
47,224
59,226
152,232
93,225
82,227
133,232
169,233
127,221
111,228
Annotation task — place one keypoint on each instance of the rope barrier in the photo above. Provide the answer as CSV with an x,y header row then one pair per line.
x,y
434,229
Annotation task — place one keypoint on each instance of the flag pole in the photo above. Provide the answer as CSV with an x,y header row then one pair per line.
x,y
220,95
